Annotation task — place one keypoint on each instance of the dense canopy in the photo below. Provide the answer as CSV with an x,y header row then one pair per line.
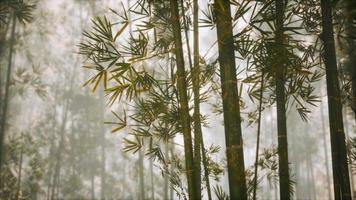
x,y
177,99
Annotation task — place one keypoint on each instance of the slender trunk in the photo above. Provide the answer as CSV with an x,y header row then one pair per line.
x,y
350,30
272,136
50,172
92,155
124,185
267,187
20,170
284,182
308,190
354,88
337,134
195,70
198,140
299,185
57,168
33,193
102,169
7,94
186,29
51,155
230,98
171,192
349,164
152,181
183,101
72,142
295,150
2,42
310,166
325,147
141,175
165,187
258,138
206,170
92,189
103,156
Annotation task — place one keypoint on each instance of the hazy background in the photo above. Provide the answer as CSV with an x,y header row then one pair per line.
x,y
50,43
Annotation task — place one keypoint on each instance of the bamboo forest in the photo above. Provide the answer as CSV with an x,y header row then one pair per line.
x,y
177,99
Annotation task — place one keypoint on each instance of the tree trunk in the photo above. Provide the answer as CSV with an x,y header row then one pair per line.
x,y
258,138
50,172
310,166
230,98
206,170
284,182
350,30
171,191
183,101
152,181
325,147
165,177
337,134
296,149
124,185
103,143
3,34
141,175
7,93
92,186
51,154
57,167
195,71
272,136
58,156
199,148
20,169
347,136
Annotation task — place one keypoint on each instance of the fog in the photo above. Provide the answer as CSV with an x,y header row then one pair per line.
x,y
66,137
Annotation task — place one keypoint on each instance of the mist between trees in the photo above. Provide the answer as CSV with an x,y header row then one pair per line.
x,y
177,99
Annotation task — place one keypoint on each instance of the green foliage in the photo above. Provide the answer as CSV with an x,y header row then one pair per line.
x,y
129,65
26,80
220,193
122,122
18,146
22,11
268,169
255,44
215,168
126,64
